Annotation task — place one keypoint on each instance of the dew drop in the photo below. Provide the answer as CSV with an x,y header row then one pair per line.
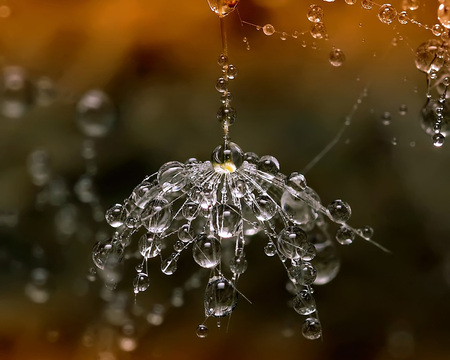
x,y
387,13
315,14
336,57
312,329
206,251
220,298
202,331
268,29
304,303
438,140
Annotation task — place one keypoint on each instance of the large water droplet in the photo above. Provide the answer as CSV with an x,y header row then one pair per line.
x,y
220,298
206,251
226,219
157,215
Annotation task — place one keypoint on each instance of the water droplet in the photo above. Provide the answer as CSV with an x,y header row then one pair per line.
x,y
106,253
304,303
403,18
444,14
295,182
438,140
169,265
220,298
410,4
238,264
96,114
339,211
326,262
367,4
157,215
426,56
312,329
269,165
226,220
290,242
403,110
303,274
270,249
227,158
386,118
350,2
141,282
232,72
264,208
315,14
298,211
268,29
367,232
202,331
318,31
16,92
206,251
345,236
336,57
223,7
387,13
115,216
149,247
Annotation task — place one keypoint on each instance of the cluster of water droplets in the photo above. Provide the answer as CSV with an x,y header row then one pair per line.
x,y
212,209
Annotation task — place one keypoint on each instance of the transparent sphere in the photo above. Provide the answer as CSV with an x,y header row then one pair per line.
x,y
427,56
438,140
171,176
157,216
141,283
336,57
96,114
326,262
238,264
264,208
16,92
269,165
226,220
312,329
106,253
304,303
238,188
428,117
345,236
223,7
270,249
226,115
227,158
298,211
295,182
303,274
206,251
190,210
367,4
318,31
444,14
170,265
268,29
387,13
115,216
143,193
290,242
149,247
315,14
202,331
251,158
339,211
403,18
220,298
185,233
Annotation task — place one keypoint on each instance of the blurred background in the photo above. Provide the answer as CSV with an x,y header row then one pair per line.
x,y
152,67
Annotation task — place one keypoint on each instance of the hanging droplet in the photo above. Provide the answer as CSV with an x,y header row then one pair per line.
x,y
336,57
312,329
206,251
386,118
264,208
403,110
298,211
268,29
202,331
326,262
438,140
223,7
318,31
169,266
115,216
426,56
157,215
437,29
367,232
190,210
315,14
387,13
339,211
149,247
220,298
106,253
238,264
141,282
16,92
290,242
270,249
232,72
304,303
403,18
303,274
226,220
95,113
185,234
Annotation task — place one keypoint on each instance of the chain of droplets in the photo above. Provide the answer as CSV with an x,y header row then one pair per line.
x,y
439,138
317,31
226,113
